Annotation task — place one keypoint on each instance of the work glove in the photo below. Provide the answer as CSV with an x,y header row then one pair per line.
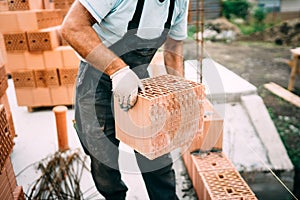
x,y
125,84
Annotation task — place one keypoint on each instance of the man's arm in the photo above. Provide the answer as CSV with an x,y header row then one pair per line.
x,y
173,57
78,32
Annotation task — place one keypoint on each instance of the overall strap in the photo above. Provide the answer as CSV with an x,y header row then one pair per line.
x,y
171,9
135,21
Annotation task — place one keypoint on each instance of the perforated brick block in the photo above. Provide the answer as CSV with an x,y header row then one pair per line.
x,y
210,161
40,78
212,135
49,18
18,5
4,101
6,139
46,77
62,4
67,76
23,79
15,41
8,181
165,117
42,40
18,193
3,81
14,5
52,78
222,185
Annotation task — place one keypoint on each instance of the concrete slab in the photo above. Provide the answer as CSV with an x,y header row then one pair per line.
x,y
240,142
267,132
222,85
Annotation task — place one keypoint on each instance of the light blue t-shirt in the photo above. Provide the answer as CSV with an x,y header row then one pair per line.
x,y
113,17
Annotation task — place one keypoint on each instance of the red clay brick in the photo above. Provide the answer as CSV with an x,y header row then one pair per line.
x,y
67,76
165,117
15,41
222,185
23,79
42,40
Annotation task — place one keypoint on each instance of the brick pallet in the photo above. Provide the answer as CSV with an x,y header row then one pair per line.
x,y
8,183
43,70
165,117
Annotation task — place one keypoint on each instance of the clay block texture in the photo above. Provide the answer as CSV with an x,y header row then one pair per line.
x,y
211,161
8,181
6,139
23,79
67,76
165,117
62,4
46,77
48,18
15,42
45,39
3,81
18,5
222,185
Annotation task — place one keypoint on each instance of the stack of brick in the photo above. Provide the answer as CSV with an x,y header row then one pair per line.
x,y
8,184
43,67
213,175
3,87
165,117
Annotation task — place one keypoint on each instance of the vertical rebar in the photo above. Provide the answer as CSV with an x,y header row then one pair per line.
x,y
199,20
197,41
202,38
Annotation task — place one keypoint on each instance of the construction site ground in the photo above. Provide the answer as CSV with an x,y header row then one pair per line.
x,y
258,63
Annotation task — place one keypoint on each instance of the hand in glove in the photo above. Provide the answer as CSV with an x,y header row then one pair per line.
x,y
125,84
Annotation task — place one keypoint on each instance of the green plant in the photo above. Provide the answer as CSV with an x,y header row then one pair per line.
x,y
191,31
259,14
246,29
237,8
